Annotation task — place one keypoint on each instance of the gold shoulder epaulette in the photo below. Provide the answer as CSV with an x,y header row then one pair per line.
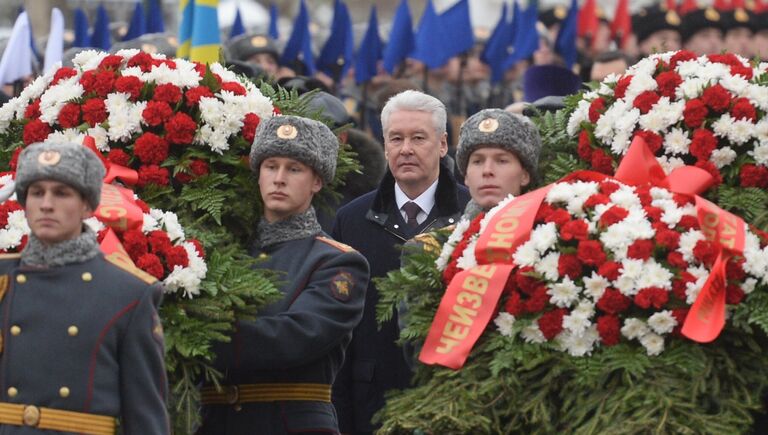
x,y
123,261
429,241
338,245
10,256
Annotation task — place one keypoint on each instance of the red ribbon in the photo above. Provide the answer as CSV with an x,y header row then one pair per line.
x,y
114,171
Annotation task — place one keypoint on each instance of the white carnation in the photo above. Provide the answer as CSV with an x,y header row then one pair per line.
x,y
526,254
662,322
595,285
634,328
676,141
723,157
547,266
505,323
564,293
18,220
544,237
579,344
532,334
653,343
688,241
760,154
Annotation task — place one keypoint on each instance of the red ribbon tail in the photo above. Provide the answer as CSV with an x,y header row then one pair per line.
x,y
706,319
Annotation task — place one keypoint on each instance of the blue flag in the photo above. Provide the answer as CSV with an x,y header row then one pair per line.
x,y
500,44
401,42
273,33
430,40
82,38
299,46
338,50
458,29
526,35
101,37
237,26
138,25
369,53
155,23
565,43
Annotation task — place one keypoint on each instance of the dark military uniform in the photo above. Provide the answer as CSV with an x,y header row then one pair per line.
x,y
285,361
83,338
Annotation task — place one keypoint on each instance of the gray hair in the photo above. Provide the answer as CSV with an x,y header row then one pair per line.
x,y
416,101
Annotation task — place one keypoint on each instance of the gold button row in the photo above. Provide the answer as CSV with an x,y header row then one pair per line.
x,y
86,276
16,330
63,392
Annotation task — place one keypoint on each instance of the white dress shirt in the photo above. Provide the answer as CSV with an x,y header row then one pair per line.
x,y
425,201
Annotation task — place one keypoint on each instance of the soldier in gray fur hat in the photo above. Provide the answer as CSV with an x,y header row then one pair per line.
x,y
279,368
83,350
498,153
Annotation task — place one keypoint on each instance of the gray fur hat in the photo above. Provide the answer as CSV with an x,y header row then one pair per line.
x,y
71,164
303,139
499,128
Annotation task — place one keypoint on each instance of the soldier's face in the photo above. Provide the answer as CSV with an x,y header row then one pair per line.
x,y
55,211
494,173
413,149
739,41
661,41
287,187
706,41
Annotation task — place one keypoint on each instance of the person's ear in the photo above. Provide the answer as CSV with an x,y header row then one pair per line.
x,y
444,145
317,184
525,178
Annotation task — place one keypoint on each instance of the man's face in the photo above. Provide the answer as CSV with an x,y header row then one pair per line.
x,y
601,70
493,174
760,41
55,211
739,41
287,187
413,149
267,62
660,41
706,41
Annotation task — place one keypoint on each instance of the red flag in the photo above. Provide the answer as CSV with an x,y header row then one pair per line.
x,y
722,5
588,21
621,26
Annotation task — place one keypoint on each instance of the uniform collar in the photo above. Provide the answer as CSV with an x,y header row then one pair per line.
x,y
78,250
296,227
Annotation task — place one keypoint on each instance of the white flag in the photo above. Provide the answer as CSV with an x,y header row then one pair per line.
x,y
55,47
17,58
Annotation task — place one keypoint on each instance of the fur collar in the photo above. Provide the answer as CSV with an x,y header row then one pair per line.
x,y
296,227
78,250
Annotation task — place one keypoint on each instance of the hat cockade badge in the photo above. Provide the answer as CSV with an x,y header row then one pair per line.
x,y
287,131
488,125
49,158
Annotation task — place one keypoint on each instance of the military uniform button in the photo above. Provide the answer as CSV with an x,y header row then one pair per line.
x,y
87,277
21,279
15,330
64,392
72,331
12,392
31,416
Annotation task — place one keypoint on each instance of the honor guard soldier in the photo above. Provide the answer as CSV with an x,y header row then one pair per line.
x,y
82,346
257,49
278,370
701,28
657,28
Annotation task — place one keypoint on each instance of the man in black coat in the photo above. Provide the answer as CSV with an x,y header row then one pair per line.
x,y
417,194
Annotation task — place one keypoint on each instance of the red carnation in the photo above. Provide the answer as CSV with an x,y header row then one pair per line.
x,y
151,264
574,230
653,140
193,95
742,70
159,242
94,111
15,158
118,157
705,251
753,176
234,87
525,281
551,322
717,98
197,168
681,56
33,110
703,143
198,247
250,122
688,222
733,294
621,86
680,314
35,131
142,60
613,301
645,101
668,239
596,108
602,162
112,62
613,215
743,109
682,200
609,329
151,148
607,187
641,249
180,129
734,270
62,73
103,83
584,149
651,296
724,58
559,216
596,199
569,265
135,243
176,256
668,81
543,212
168,93
130,85
156,112
679,285
609,270
654,213
694,113
590,252
6,208
713,171
69,115
143,206
676,259
514,305
152,174
538,300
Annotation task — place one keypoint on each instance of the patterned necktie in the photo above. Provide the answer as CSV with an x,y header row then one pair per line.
x,y
411,210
